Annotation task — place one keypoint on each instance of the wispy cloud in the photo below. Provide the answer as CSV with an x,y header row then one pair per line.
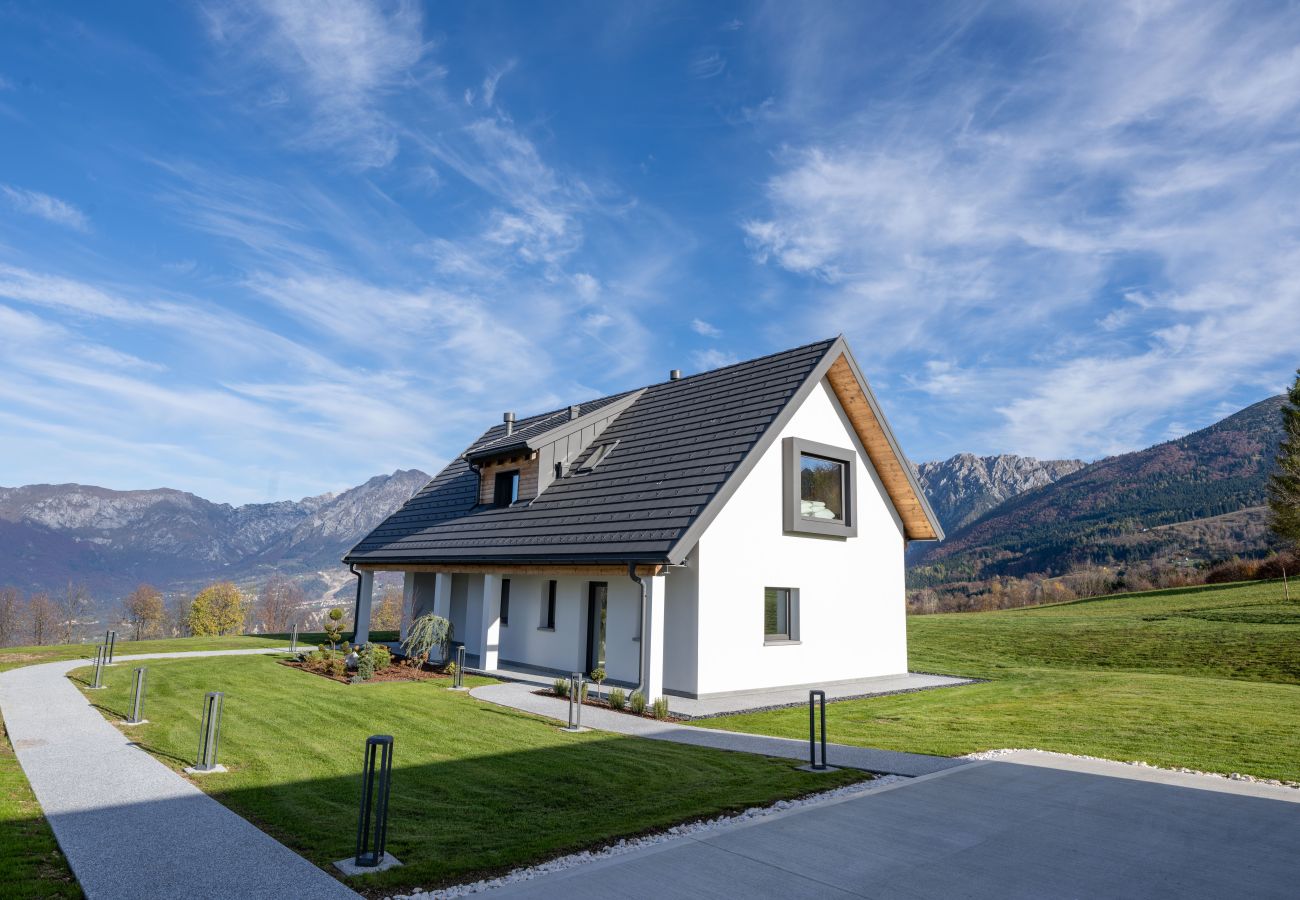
x,y
1013,225
43,206
341,56
704,329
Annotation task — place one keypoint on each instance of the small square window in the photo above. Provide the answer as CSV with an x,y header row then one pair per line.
x,y
780,615
506,489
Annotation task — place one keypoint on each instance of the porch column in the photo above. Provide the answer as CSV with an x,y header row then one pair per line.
x,y
365,588
491,627
442,604
408,603
652,636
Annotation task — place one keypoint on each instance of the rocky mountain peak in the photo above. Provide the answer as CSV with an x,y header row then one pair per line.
x,y
965,486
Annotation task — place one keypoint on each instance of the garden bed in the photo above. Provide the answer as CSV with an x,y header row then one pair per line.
x,y
395,672
602,703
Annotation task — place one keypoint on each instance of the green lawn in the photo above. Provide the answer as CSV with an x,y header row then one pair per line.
x,y
476,788
13,657
1207,678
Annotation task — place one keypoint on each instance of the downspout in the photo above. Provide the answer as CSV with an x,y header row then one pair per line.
x,y
356,604
640,653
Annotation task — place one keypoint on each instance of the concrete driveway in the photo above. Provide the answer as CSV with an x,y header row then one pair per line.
x,y
1054,828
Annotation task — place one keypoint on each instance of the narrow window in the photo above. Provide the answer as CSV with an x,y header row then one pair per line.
x,y
507,488
548,608
778,614
505,601
821,488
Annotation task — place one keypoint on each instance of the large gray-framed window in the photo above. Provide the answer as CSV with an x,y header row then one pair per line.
x,y
780,615
820,490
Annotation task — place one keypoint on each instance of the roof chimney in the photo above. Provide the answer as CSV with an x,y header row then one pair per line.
x,y
509,419
573,413
675,375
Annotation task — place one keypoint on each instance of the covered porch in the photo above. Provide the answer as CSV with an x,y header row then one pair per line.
x,y
543,620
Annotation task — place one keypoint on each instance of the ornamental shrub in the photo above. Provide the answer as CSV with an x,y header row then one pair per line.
x,y
380,656
561,687
636,702
617,698
659,709
334,626
365,667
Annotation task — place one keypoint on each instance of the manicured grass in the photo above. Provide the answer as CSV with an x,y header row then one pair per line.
x,y
1207,678
31,864
476,787
13,657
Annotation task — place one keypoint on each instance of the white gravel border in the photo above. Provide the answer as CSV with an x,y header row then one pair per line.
x,y
583,857
1235,776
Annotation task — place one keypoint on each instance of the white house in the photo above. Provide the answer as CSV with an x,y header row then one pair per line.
x,y
737,530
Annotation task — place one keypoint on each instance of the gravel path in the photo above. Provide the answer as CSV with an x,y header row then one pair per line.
x,y
888,762
130,826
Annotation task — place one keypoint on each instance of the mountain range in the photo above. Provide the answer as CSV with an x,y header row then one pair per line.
x,y
1199,496
113,540
1196,498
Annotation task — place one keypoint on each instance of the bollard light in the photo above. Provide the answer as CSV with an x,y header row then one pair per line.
x,y
99,668
112,646
813,697
293,639
460,668
137,699
210,732
376,780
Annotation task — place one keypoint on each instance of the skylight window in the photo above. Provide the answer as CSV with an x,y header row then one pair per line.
x,y
598,456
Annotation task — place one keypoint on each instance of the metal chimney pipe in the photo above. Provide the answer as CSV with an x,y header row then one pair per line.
x,y
675,375
509,419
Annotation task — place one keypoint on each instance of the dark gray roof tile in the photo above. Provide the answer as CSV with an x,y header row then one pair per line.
x,y
678,444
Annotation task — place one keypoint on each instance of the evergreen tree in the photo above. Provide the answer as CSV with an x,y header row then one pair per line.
x,y
1284,485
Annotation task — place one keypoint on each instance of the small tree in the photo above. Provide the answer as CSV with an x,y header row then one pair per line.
x,y
73,603
598,676
143,609
277,601
426,632
1284,484
334,627
388,614
11,614
218,609
43,616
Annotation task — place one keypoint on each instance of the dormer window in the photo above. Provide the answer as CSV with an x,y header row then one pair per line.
x,y
819,493
507,488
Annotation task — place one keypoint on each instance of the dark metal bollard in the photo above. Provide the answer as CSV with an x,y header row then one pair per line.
x,y
812,743
575,701
459,681
372,841
99,668
210,731
112,645
293,639
137,699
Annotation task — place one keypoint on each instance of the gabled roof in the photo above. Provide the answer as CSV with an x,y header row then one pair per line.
x,y
682,448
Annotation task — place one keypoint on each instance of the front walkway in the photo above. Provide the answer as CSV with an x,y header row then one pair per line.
x,y
752,701
521,696
982,831
130,826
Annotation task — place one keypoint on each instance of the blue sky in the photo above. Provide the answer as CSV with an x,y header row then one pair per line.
x,y
268,249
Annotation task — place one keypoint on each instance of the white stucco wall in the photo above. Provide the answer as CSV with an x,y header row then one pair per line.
x,y
852,608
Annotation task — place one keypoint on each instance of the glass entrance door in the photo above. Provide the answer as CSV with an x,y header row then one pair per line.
x,y
597,611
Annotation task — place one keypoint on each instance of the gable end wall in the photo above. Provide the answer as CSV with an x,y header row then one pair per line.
x,y
851,590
